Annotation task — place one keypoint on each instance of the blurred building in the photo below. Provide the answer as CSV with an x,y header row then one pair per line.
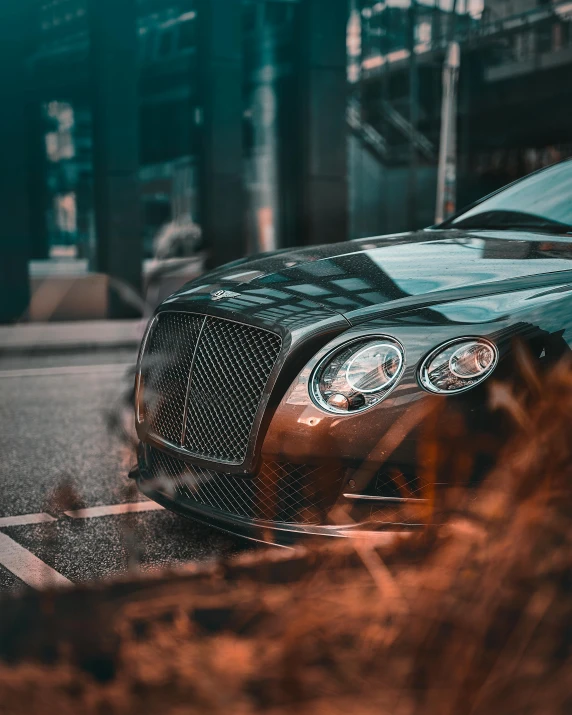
x,y
515,103
170,117
250,118
504,40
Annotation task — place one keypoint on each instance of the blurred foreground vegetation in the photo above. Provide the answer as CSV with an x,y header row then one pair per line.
x,y
471,615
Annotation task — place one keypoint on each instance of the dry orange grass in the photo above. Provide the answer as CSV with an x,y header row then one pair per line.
x,y
472,616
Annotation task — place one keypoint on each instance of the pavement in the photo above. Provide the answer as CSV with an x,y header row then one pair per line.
x,y
82,335
68,513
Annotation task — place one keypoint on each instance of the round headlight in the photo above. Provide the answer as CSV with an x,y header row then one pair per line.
x,y
357,375
458,365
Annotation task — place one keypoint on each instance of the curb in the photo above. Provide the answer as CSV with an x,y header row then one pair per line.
x,y
70,337
66,348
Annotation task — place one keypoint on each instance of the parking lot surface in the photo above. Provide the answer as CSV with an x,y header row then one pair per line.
x,y
68,513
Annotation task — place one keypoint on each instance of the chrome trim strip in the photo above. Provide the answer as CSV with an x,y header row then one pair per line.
x,y
189,380
138,393
155,440
370,497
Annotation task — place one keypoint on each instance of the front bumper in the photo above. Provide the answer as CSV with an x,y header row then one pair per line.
x,y
362,515
269,532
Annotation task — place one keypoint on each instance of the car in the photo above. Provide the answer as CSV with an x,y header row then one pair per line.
x,y
274,390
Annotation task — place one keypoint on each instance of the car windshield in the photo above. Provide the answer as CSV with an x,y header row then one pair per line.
x,y
542,201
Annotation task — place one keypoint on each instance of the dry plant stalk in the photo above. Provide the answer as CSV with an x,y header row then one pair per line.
x,y
483,627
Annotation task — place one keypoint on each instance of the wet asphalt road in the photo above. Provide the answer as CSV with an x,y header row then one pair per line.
x,y
62,418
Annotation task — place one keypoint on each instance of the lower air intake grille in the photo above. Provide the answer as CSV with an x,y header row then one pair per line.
x,y
280,492
203,381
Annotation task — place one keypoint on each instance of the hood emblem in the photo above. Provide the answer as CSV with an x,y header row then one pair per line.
x,y
220,294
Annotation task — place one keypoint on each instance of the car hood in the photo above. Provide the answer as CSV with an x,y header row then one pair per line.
x,y
364,278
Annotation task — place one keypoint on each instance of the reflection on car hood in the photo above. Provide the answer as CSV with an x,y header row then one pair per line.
x,y
358,278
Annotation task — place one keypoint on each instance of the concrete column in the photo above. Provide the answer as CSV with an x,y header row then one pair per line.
x,y
37,180
219,136
321,113
114,79
14,205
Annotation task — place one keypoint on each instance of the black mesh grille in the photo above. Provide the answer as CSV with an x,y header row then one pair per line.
x,y
280,492
166,364
213,371
231,368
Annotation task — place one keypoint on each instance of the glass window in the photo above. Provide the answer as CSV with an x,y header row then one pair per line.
x,y
540,201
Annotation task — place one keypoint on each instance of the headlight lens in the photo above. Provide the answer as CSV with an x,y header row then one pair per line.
x,y
357,375
458,365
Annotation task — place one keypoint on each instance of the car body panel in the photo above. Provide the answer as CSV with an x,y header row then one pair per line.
x,y
304,431
358,278
422,289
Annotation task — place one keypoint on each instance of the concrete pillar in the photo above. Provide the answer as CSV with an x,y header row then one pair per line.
x,y
14,205
265,155
321,113
219,135
114,79
37,180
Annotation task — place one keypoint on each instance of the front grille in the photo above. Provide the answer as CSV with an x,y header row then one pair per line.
x,y
280,492
232,365
203,379
166,366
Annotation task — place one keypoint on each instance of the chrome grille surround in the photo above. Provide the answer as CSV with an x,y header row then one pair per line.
x,y
203,379
167,362
280,492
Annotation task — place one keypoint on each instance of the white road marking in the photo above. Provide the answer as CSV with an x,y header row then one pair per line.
x,y
24,519
66,370
36,573
32,570
27,567
111,509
